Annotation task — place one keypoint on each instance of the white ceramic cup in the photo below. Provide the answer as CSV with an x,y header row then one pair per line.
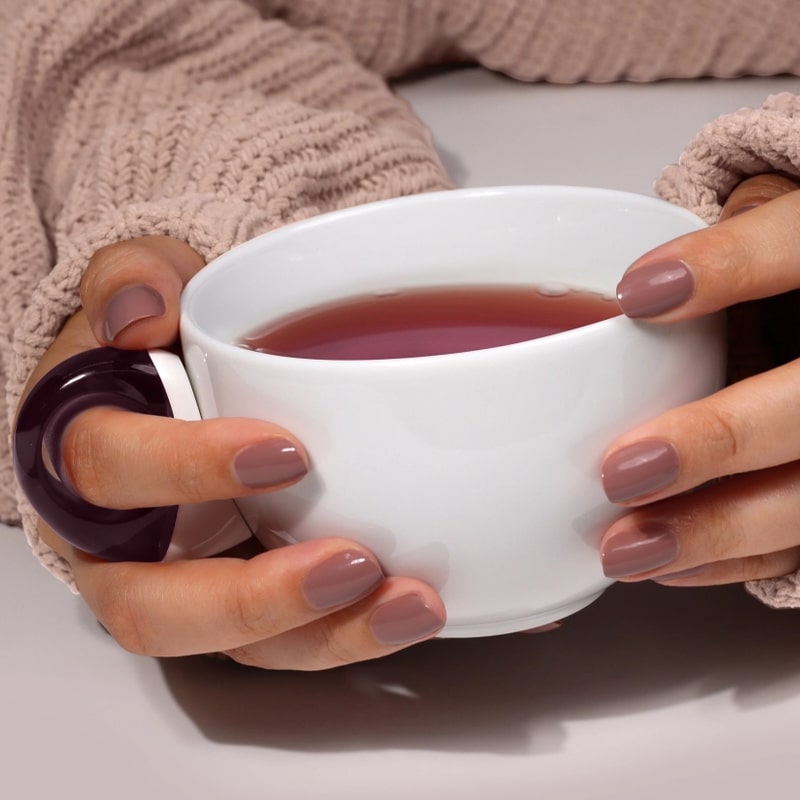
x,y
477,472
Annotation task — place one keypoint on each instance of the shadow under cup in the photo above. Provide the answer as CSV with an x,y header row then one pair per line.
x,y
477,472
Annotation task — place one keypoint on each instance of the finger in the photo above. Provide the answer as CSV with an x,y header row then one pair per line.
x,y
735,570
121,459
761,333
739,429
756,191
204,605
400,613
280,609
744,528
748,256
131,291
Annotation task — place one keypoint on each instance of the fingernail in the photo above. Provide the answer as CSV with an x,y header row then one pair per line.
x,y
655,288
269,463
404,620
129,305
691,572
639,469
635,550
343,578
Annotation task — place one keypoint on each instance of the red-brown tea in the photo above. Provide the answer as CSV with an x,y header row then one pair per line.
x,y
427,322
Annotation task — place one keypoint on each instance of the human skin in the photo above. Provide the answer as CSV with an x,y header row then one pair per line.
x,y
257,609
310,606
738,450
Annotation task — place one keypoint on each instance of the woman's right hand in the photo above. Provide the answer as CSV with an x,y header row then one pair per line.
x,y
307,606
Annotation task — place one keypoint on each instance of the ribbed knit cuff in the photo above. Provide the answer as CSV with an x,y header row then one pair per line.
x,y
734,147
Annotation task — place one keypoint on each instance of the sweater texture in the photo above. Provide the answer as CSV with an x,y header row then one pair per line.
x,y
215,121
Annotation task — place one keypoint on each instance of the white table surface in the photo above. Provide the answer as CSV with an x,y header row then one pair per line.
x,y
649,693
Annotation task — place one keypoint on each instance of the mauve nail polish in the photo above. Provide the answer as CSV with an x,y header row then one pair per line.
x,y
129,305
655,288
639,469
269,463
343,578
404,620
690,572
636,550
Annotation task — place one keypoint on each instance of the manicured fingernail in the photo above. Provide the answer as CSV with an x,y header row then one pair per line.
x,y
655,288
269,463
404,620
343,578
635,550
639,469
691,572
129,305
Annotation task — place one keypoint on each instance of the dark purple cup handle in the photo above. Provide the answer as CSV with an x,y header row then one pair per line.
x,y
146,382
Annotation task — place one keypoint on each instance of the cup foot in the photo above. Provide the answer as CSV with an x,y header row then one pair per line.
x,y
498,627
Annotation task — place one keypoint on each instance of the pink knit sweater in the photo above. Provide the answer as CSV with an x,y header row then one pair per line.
x,y
215,121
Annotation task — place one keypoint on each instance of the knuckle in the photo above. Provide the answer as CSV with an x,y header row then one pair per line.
x,y
318,649
250,611
191,469
722,436
734,262
187,477
330,648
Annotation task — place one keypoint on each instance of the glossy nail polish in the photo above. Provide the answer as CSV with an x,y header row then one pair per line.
x,y
343,578
639,469
272,462
635,550
129,305
404,620
655,288
691,572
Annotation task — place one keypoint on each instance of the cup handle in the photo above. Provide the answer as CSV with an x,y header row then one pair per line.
x,y
149,382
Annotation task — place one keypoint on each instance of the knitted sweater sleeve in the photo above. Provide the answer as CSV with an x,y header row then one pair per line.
x,y
213,122
563,41
201,121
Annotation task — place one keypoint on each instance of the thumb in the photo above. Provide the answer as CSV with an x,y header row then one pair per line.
x,y
131,291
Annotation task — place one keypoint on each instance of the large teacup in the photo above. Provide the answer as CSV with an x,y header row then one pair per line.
x,y
478,472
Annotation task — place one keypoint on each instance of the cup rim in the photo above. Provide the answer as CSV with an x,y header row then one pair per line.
x,y
208,275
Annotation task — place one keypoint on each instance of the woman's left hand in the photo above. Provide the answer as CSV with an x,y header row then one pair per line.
x,y
738,450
